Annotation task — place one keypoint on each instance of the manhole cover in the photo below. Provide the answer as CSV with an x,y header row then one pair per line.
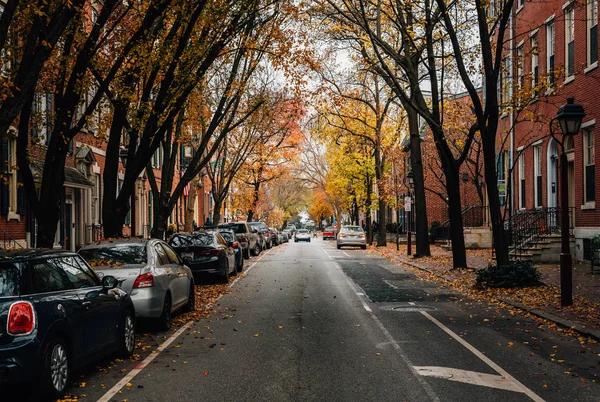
x,y
413,309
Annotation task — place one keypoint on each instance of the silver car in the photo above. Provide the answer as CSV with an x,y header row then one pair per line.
x,y
150,271
351,236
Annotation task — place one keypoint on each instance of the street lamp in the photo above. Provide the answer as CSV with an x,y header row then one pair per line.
x,y
123,154
570,117
408,182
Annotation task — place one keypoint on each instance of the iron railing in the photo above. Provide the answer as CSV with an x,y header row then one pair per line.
x,y
528,226
8,241
94,233
474,216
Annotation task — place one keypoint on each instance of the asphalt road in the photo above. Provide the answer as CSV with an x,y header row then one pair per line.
x,y
312,323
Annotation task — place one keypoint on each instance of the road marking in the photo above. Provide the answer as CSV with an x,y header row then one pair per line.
x,y
485,359
430,392
390,284
469,377
117,387
346,254
327,254
412,303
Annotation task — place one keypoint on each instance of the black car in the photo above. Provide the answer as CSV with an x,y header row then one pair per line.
x,y
247,237
231,237
205,251
57,315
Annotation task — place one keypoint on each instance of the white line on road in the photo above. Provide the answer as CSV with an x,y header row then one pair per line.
x,y
346,254
117,387
469,377
430,392
485,359
390,284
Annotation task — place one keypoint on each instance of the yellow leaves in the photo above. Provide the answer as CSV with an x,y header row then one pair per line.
x,y
256,335
280,326
129,384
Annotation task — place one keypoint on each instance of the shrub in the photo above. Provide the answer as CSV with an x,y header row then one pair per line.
x,y
433,231
512,275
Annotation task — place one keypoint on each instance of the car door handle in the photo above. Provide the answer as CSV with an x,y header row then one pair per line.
x,y
86,303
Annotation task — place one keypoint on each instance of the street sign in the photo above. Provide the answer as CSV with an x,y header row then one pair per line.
x,y
407,204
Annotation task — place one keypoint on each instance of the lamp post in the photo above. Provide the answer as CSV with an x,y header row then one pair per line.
x,y
408,182
570,117
123,154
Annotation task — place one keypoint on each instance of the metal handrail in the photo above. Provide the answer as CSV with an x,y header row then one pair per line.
x,y
8,239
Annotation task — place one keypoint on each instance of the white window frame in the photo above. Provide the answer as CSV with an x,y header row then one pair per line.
x,y
589,158
535,64
569,37
550,38
520,67
592,21
522,200
537,172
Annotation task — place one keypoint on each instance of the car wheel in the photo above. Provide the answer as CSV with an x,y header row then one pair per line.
x,y
309,240
127,338
363,247
56,370
235,271
240,267
191,304
225,276
164,321
246,253
339,247
256,250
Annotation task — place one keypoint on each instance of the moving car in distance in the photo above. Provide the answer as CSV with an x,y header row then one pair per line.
x,y
206,251
249,240
150,271
302,235
57,315
328,233
351,236
231,237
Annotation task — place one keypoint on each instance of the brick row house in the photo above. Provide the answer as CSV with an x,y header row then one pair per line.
x,y
551,54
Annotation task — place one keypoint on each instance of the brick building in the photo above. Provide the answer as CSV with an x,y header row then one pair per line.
x,y
551,54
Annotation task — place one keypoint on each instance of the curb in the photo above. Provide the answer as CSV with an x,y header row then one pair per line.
x,y
591,333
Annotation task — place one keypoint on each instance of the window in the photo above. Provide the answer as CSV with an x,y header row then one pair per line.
x,y
157,158
534,65
520,3
505,82
501,173
47,277
537,173
520,70
161,255
79,277
12,202
550,52
171,255
522,188
592,31
570,40
589,167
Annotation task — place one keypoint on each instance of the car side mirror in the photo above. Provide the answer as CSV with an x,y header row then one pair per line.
x,y
109,282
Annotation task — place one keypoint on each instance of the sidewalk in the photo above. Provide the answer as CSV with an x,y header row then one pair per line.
x,y
583,316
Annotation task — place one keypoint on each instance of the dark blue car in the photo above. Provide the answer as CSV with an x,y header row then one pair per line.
x,y
57,315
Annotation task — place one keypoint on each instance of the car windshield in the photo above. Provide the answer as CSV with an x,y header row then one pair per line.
x,y
194,239
302,231
115,254
352,229
9,279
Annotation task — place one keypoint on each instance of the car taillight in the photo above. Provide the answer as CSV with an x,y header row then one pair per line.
x,y
236,244
341,235
21,318
361,235
243,239
144,281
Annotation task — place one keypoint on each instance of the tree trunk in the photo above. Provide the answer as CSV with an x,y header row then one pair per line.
x,y
368,211
420,205
382,238
254,202
189,206
46,228
159,226
459,253
491,180
217,211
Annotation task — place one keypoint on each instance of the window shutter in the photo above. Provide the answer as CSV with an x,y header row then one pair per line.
x,y
4,199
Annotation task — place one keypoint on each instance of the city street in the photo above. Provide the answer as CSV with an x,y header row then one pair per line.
x,y
309,322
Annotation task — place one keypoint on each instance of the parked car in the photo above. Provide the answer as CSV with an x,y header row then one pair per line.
x,y
302,235
232,239
286,235
292,228
248,239
328,233
57,315
275,239
351,236
262,229
206,251
150,271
